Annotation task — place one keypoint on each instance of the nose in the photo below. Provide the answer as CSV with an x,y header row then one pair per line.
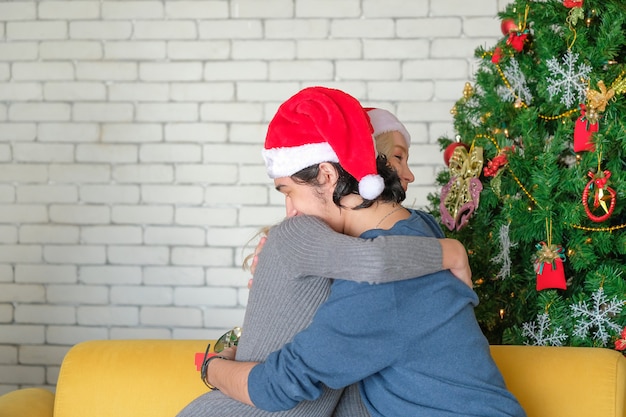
x,y
409,177
289,209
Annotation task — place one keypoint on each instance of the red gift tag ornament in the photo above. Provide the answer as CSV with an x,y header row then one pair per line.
x,y
549,267
583,131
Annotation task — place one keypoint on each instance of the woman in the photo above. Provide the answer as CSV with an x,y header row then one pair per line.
x,y
414,345
392,140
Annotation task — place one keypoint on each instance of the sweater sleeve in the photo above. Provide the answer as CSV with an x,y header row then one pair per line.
x,y
353,323
313,248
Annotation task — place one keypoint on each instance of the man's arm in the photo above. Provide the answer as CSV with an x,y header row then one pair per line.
x,y
230,377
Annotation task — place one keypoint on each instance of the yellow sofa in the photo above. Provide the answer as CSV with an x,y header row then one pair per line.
x,y
117,378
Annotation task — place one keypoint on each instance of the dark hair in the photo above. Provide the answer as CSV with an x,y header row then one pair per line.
x,y
347,184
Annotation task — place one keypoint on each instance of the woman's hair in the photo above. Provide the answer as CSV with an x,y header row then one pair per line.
x,y
385,143
347,184
247,261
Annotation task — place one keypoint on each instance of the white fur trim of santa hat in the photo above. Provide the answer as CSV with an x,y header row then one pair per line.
x,y
384,121
286,161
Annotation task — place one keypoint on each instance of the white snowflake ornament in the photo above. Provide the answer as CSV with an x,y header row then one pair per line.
x,y
540,333
569,79
517,88
596,319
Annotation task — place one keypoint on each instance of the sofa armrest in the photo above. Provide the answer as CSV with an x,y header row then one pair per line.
x,y
564,381
31,402
136,378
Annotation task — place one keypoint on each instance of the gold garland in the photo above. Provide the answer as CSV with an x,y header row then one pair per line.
x,y
560,116
597,229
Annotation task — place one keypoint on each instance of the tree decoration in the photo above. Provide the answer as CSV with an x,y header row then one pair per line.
x,y
572,3
497,55
498,162
601,194
597,100
575,14
508,25
549,263
620,343
516,86
460,196
447,154
597,319
540,333
568,79
504,257
517,34
588,122
549,266
517,39
583,131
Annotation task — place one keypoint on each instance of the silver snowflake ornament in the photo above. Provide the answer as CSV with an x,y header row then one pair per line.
x,y
517,88
540,333
569,79
596,319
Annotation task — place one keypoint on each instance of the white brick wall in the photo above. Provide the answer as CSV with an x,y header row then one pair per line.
x,y
131,179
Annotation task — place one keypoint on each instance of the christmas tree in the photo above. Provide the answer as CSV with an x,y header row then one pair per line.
x,y
536,180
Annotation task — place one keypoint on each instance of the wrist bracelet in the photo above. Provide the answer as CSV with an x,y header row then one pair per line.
x,y
205,367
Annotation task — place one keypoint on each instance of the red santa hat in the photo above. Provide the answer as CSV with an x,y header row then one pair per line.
x,y
384,121
320,124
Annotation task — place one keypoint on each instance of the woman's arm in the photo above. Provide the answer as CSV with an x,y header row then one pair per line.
x,y
315,249
230,376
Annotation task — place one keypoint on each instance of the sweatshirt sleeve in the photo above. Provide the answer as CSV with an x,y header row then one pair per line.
x,y
313,248
352,323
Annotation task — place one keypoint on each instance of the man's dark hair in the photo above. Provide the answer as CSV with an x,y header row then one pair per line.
x,y
347,184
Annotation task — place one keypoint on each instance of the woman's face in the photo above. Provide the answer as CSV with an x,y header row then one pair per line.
x,y
399,160
310,200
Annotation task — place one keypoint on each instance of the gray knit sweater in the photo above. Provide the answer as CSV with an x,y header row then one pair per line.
x,y
289,285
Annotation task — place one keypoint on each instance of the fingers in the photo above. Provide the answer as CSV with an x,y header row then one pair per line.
x,y
229,352
257,250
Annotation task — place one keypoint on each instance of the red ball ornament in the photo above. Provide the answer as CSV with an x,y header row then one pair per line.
x,y
447,154
508,25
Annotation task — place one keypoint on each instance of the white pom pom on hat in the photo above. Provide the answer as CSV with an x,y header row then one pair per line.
x,y
384,121
320,124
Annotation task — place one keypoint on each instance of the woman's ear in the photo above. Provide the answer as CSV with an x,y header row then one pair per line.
x,y
327,174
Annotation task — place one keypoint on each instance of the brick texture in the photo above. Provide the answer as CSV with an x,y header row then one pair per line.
x,y
131,180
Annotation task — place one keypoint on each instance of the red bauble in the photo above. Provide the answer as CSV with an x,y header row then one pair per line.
x,y
508,25
447,154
